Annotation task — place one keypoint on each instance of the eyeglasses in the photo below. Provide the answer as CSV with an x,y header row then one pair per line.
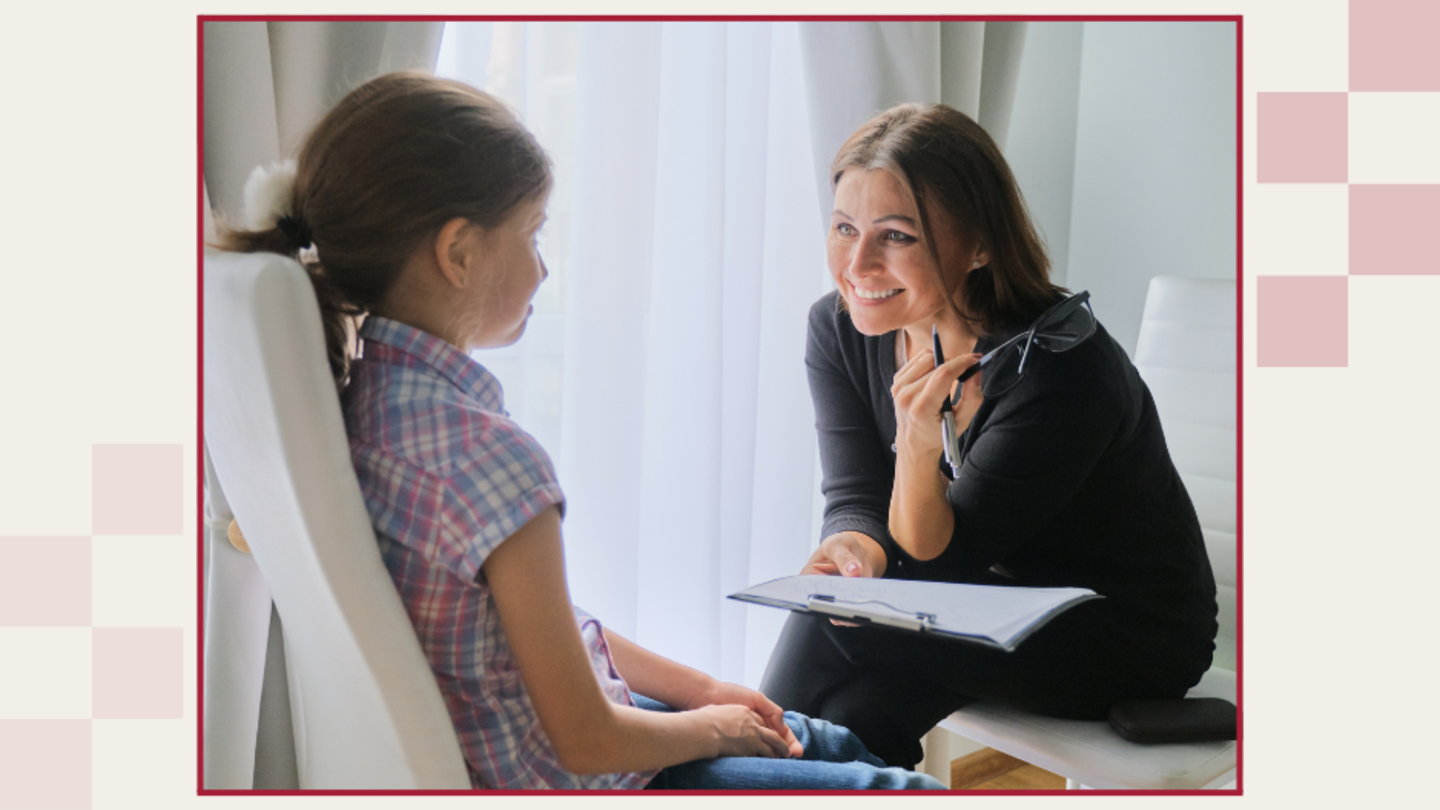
x,y
1060,329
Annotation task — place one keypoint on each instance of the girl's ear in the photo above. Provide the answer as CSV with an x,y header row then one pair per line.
x,y
454,249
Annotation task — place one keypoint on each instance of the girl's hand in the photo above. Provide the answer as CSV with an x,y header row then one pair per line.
x,y
919,390
719,693
740,732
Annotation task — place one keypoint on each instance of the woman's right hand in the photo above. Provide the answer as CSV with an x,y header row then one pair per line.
x,y
848,554
741,732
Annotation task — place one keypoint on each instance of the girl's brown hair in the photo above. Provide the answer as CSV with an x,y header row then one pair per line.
x,y
948,161
381,174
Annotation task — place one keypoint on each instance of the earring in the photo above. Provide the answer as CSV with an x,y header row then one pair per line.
x,y
977,265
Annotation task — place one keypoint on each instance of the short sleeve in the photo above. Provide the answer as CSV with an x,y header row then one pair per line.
x,y
502,485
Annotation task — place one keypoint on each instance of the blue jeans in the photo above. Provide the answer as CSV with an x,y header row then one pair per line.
x,y
834,759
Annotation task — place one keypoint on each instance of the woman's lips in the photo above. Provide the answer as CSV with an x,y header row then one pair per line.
x,y
873,296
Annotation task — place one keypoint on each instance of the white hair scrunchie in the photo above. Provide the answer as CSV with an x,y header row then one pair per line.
x,y
267,195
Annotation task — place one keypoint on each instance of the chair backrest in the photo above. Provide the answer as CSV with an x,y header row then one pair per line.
x,y
366,709
1186,354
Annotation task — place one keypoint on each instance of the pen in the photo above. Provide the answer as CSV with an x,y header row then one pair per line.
x,y
947,414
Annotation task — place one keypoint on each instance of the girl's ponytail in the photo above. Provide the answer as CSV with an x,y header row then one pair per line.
x,y
273,225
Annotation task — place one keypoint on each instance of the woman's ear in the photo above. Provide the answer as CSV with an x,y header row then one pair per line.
x,y
454,249
981,258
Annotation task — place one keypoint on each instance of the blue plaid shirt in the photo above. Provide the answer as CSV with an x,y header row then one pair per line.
x,y
447,476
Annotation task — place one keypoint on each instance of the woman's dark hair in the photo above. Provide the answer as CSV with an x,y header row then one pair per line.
x,y
953,167
381,174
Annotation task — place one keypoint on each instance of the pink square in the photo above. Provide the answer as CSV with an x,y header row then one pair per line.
x,y
45,582
1392,45
138,672
1303,320
44,764
1304,137
1392,230
137,489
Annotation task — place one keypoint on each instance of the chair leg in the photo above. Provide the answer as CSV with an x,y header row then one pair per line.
x,y
937,755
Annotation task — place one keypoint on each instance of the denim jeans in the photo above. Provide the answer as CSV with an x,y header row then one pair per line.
x,y
834,759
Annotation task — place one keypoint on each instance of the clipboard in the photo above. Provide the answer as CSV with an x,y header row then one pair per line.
x,y
1000,617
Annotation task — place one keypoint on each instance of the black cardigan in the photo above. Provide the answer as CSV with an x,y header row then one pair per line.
x,y
1066,481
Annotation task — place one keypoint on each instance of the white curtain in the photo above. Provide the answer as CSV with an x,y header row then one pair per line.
x,y
266,84
688,450
687,447
854,70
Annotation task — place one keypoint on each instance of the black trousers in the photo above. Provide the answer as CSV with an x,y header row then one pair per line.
x,y
891,687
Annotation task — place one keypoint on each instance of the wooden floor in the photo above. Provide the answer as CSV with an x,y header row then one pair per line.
x,y
988,769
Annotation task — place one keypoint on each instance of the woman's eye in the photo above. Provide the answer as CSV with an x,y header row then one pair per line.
x,y
899,236
845,229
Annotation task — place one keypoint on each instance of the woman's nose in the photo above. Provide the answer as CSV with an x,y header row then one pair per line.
x,y
865,260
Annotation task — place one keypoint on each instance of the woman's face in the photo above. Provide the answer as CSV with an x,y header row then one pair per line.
x,y
509,274
878,257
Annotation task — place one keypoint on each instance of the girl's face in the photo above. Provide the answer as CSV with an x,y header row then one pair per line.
x,y
878,257
508,274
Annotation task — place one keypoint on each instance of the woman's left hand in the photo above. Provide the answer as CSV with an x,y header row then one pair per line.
x,y
721,692
919,391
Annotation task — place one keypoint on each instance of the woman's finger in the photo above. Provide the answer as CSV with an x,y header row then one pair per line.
x,y
914,369
848,563
938,386
969,402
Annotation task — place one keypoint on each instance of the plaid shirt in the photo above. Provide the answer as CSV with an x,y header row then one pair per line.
x,y
447,477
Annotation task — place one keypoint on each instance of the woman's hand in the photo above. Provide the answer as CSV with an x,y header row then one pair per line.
x,y
721,693
919,390
849,554
921,519
740,732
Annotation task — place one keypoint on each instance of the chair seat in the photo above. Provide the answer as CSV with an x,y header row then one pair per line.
x,y
1091,753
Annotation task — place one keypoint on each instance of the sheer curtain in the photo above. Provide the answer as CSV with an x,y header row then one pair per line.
x,y
687,441
687,249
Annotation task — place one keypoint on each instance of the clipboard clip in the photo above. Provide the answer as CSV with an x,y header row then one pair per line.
x,y
862,610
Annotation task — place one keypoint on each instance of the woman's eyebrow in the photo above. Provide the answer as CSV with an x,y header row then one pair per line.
x,y
888,217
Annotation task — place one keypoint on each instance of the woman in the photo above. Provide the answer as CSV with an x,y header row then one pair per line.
x,y
1063,478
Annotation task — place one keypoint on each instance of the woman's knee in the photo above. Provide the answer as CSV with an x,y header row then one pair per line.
x,y
803,667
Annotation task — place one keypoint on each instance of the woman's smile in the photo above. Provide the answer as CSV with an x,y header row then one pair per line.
x,y
872,296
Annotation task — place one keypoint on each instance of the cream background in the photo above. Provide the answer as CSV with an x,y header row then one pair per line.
x,y
100,339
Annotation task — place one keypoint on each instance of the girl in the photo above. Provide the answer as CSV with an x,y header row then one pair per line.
x,y
1065,479
416,201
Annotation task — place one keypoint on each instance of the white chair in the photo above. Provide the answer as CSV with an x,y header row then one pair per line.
x,y
366,710
1186,354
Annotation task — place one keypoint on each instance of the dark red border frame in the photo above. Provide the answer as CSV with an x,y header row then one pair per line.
x,y
1240,358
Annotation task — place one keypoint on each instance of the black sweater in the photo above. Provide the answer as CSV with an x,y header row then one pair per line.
x,y
1066,481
